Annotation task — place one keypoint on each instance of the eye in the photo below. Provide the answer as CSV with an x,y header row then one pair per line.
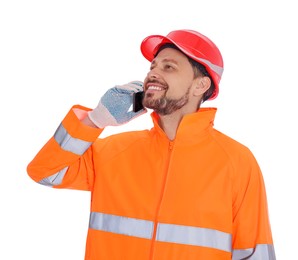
x,y
152,66
168,66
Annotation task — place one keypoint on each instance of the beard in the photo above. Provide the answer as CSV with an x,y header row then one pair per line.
x,y
164,105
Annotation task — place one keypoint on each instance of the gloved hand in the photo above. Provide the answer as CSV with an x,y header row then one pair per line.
x,y
113,107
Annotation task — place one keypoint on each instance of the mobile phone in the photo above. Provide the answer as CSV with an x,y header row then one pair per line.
x,y
137,101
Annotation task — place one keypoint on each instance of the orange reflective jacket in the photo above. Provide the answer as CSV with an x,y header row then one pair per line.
x,y
200,196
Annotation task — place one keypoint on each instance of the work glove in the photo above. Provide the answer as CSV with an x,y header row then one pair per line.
x,y
114,106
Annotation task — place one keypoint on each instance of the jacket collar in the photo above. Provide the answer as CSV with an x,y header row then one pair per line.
x,y
192,126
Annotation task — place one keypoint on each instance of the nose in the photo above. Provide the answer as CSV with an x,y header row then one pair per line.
x,y
152,74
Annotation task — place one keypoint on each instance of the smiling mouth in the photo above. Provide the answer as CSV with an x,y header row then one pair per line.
x,y
155,88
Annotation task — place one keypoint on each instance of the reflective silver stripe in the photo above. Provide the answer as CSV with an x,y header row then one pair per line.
x,y
55,179
170,233
217,69
262,251
68,143
195,236
121,225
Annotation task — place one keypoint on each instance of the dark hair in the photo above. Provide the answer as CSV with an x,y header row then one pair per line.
x,y
198,68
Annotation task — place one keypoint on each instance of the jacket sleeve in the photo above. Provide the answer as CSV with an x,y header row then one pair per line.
x,y
65,161
252,238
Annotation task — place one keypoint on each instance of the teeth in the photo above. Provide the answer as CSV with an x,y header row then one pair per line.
x,y
154,88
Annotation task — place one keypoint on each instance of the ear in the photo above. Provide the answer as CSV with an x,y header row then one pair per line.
x,y
202,84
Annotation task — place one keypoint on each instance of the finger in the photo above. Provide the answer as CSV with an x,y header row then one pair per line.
x,y
134,86
132,114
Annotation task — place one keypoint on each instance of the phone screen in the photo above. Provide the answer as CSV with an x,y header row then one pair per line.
x,y
137,101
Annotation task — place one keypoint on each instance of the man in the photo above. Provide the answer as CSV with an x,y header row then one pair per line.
x,y
181,190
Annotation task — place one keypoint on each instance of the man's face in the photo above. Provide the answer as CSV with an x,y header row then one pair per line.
x,y
168,83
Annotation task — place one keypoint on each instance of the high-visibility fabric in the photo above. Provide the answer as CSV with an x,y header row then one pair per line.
x,y
201,196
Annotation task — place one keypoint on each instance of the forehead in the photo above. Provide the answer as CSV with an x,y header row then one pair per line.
x,y
170,54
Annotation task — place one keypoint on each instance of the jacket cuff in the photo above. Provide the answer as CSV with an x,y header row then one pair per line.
x,y
78,129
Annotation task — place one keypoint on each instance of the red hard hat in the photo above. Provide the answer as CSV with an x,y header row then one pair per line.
x,y
193,44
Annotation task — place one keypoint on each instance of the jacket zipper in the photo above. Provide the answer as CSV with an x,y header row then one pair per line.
x,y
170,148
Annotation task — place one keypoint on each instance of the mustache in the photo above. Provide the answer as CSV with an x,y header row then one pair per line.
x,y
162,83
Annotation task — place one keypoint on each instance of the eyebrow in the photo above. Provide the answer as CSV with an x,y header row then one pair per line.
x,y
165,60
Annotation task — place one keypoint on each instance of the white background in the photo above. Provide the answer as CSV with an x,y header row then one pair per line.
x,y
54,54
